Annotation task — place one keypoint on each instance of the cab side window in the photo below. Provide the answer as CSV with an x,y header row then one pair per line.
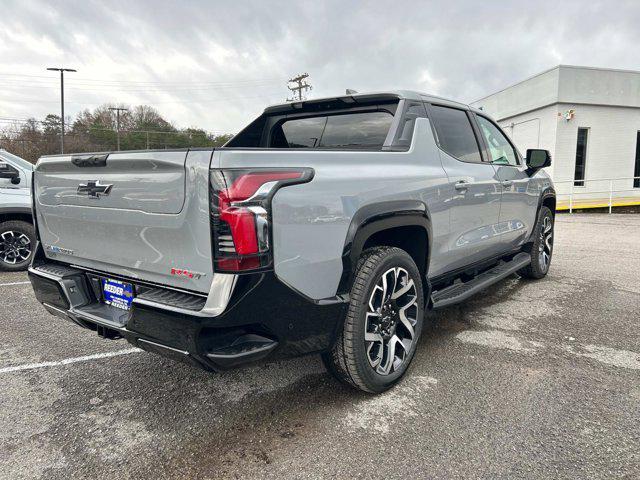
x,y
455,134
501,152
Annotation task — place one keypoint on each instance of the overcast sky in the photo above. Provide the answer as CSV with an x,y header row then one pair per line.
x,y
215,65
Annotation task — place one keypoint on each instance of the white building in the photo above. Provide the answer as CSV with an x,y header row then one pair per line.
x,y
589,119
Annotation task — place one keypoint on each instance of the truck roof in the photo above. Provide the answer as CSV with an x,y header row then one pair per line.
x,y
368,97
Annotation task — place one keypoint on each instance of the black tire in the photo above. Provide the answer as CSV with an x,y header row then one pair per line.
x,y
541,247
350,359
17,244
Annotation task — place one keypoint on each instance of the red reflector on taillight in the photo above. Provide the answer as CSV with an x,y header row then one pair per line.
x,y
237,264
243,230
240,209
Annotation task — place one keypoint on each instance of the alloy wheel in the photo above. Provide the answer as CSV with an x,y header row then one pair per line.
x,y
546,243
15,247
390,321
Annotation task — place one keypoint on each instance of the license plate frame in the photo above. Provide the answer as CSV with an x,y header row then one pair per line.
x,y
116,293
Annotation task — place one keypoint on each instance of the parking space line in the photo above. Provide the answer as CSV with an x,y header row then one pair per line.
x,y
13,283
67,361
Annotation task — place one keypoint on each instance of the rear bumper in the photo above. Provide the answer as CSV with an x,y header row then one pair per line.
x,y
264,319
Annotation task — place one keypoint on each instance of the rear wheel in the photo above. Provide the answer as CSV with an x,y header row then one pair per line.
x,y
17,241
541,249
383,322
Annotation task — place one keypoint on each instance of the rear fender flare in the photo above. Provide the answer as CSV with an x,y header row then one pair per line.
x,y
374,218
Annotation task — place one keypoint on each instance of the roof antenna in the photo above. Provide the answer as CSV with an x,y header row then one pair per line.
x,y
350,91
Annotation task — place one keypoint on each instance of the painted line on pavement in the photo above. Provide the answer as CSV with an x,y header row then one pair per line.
x,y
67,361
13,283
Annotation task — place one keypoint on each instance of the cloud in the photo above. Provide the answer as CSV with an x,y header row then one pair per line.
x,y
217,64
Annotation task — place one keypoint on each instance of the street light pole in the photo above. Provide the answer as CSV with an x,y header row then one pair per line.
x,y
118,110
62,70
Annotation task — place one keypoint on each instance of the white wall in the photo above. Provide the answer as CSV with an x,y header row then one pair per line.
x,y
536,129
530,94
611,146
605,101
565,84
598,86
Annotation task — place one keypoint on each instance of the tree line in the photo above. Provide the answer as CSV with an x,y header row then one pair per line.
x,y
141,127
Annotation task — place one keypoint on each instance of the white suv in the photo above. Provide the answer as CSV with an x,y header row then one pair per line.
x,y
17,237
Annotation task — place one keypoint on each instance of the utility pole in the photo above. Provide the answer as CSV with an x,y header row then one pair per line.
x,y
61,70
299,84
118,110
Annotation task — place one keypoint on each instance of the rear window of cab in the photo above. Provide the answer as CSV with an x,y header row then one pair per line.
x,y
333,125
365,130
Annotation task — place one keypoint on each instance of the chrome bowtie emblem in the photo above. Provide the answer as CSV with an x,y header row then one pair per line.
x,y
94,189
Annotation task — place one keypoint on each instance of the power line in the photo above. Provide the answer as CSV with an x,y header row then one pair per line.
x,y
134,88
14,121
300,84
226,99
148,132
102,81
99,129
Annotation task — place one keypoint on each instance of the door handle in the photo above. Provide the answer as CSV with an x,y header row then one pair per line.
x,y
462,185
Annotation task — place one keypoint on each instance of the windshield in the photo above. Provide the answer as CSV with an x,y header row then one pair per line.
x,y
20,162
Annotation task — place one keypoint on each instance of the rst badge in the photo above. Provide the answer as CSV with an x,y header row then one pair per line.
x,y
179,272
94,189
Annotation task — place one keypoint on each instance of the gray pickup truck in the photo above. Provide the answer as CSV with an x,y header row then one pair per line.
x,y
326,226
17,238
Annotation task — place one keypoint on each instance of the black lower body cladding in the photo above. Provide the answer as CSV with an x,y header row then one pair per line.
x,y
261,306
265,319
48,292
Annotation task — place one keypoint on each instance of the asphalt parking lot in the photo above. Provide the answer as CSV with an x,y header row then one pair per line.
x,y
530,379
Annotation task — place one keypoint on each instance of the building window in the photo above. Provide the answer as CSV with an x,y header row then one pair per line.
x,y
636,171
581,157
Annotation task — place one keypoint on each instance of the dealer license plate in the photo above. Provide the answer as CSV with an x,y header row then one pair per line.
x,y
116,293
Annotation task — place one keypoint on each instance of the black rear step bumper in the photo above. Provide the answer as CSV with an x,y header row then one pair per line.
x,y
265,319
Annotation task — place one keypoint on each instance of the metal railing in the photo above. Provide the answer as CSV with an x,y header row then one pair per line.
x,y
608,193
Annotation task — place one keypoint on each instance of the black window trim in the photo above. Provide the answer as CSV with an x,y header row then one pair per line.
x,y
486,146
399,120
481,151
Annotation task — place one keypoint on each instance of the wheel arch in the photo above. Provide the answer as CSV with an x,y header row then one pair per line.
x,y
404,223
547,199
23,214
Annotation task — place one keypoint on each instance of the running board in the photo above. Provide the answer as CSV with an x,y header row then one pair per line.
x,y
459,292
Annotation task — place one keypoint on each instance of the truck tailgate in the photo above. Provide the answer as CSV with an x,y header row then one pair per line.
x,y
138,215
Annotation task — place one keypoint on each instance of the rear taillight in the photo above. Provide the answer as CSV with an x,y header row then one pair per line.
x,y
241,215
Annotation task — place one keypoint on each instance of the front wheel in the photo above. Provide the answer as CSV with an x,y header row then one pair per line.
x,y
541,249
383,322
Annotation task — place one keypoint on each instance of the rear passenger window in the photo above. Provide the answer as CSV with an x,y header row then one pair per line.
x,y
367,130
455,134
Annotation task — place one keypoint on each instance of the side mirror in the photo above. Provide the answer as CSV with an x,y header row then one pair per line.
x,y
538,158
10,172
